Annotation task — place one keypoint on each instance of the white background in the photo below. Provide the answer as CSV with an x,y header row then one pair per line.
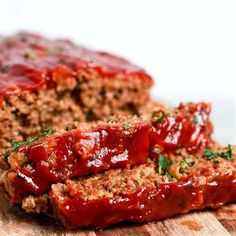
x,y
188,46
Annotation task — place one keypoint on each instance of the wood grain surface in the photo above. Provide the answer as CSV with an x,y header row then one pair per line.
x,y
14,221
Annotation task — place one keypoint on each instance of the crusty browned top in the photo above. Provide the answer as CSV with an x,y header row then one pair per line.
x,y
27,62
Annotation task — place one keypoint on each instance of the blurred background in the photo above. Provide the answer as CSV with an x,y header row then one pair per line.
x,y
188,46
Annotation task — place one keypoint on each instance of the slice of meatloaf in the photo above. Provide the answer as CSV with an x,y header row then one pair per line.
x,y
120,141
76,153
52,83
175,183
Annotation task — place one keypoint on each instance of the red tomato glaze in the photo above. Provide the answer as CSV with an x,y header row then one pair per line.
x,y
41,56
79,153
149,203
189,128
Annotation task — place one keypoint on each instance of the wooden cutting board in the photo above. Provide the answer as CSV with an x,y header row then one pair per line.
x,y
14,221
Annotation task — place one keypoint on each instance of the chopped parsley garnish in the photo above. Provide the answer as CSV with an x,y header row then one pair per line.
x,y
44,133
209,155
163,165
16,144
156,150
195,119
227,154
160,119
170,177
6,155
181,163
189,161
47,131
127,125
159,115
4,68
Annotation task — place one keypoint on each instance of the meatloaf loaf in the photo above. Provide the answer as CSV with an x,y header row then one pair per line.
x,y
120,141
52,83
173,183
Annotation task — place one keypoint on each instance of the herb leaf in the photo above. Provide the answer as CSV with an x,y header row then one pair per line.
x,y
16,144
227,154
44,133
181,163
159,115
6,155
47,131
189,161
160,119
209,155
163,165
170,177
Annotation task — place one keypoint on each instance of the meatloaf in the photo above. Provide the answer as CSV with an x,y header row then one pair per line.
x,y
53,83
115,143
173,183
81,140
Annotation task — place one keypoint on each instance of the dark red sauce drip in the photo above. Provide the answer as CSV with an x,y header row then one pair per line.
x,y
35,53
80,153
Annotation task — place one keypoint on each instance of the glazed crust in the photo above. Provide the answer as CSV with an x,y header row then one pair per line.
x,y
115,143
141,194
55,83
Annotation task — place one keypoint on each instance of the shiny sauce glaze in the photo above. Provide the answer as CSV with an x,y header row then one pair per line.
x,y
79,153
57,158
27,62
149,203
189,128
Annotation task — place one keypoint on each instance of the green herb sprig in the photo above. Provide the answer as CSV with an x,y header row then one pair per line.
x,y
209,155
159,115
163,165
44,133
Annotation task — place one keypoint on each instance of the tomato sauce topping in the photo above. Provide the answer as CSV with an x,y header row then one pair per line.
x,y
79,153
189,128
147,203
27,60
